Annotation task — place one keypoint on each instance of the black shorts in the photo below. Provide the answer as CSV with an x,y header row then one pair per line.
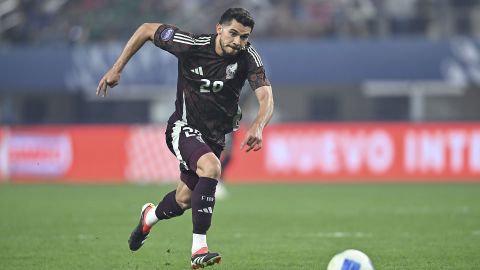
x,y
187,144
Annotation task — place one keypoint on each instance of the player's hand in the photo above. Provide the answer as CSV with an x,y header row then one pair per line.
x,y
253,139
110,79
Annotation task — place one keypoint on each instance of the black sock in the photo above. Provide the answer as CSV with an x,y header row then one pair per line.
x,y
168,207
203,202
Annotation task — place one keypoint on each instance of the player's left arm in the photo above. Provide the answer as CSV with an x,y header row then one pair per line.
x,y
253,138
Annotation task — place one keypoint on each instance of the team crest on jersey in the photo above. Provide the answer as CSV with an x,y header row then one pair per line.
x,y
231,70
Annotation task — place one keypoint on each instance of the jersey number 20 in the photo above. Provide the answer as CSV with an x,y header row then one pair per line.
x,y
207,86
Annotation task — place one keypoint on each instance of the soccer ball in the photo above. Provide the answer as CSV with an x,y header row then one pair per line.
x,y
350,259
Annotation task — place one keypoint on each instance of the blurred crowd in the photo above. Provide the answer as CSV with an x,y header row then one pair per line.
x,y
77,21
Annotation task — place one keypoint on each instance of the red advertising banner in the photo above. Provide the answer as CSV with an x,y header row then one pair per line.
x,y
86,154
148,158
3,154
363,152
309,152
67,153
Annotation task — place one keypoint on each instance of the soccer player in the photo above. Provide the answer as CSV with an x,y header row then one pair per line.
x,y
212,68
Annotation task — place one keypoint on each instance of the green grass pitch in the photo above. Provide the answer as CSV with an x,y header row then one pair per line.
x,y
288,226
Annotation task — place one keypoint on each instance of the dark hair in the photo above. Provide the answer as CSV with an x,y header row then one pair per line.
x,y
241,15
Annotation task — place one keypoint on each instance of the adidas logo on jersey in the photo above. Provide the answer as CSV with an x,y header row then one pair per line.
x,y
208,210
198,71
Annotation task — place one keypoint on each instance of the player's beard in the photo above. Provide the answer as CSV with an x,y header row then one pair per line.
x,y
233,51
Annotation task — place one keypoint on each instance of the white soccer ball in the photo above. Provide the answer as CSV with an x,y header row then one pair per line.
x,y
350,259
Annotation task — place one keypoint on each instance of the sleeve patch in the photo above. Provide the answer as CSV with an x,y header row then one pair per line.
x,y
167,34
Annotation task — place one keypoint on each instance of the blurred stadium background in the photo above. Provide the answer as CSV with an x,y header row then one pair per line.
x,y
365,90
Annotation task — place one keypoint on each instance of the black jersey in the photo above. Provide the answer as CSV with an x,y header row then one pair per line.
x,y
209,85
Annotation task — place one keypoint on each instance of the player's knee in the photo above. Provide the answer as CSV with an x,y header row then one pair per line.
x,y
210,168
183,201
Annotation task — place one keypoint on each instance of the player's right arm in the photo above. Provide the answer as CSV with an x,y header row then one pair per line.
x,y
144,33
